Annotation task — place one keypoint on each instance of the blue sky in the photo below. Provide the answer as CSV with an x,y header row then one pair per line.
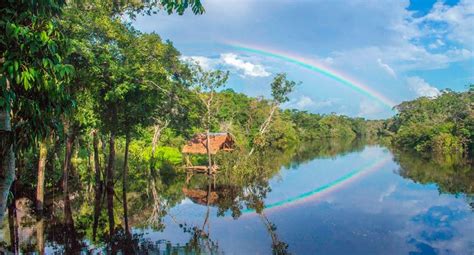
x,y
401,49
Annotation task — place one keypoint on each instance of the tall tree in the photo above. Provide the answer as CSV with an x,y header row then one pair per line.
x,y
149,81
281,87
33,78
207,83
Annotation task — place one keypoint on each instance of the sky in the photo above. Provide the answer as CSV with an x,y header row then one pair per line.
x,y
358,57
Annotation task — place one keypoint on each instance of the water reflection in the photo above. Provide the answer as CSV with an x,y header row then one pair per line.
x,y
231,192
210,215
326,149
454,177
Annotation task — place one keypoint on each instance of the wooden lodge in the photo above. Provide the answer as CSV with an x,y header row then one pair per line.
x,y
198,145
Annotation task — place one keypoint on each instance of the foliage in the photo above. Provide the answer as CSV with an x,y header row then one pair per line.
x,y
33,74
281,87
312,126
206,83
151,6
442,125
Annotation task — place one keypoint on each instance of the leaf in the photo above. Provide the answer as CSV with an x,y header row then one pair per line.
x,y
44,37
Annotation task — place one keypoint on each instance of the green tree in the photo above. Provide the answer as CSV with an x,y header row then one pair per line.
x,y
441,125
281,88
206,84
33,79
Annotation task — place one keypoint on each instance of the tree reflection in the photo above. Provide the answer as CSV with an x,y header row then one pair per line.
x,y
278,247
40,242
243,187
329,148
254,199
78,220
454,177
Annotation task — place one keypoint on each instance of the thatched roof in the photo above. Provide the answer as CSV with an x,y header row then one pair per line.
x,y
217,142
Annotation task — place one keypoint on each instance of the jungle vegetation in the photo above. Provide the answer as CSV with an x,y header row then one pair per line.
x,y
88,102
441,126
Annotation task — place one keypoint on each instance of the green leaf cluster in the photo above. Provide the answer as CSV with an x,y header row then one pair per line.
x,y
442,125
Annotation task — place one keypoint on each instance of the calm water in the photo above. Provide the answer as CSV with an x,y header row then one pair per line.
x,y
357,200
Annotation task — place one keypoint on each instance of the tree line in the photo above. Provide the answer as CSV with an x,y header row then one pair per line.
x,y
434,127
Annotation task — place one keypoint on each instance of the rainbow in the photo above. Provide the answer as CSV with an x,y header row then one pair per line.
x,y
317,67
324,189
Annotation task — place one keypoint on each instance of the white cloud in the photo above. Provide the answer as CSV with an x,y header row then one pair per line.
x,y
450,30
229,60
304,102
248,69
421,87
307,103
416,57
435,45
402,57
205,62
386,67
459,20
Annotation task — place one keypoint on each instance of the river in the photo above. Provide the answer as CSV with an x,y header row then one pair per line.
x,y
360,199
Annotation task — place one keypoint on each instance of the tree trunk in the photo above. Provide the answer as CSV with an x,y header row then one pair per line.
x,y
157,136
11,227
154,143
156,199
124,185
13,222
208,198
110,183
7,160
40,236
265,125
103,143
43,154
67,162
66,167
98,185
90,169
267,122
71,243
278,247
209,159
